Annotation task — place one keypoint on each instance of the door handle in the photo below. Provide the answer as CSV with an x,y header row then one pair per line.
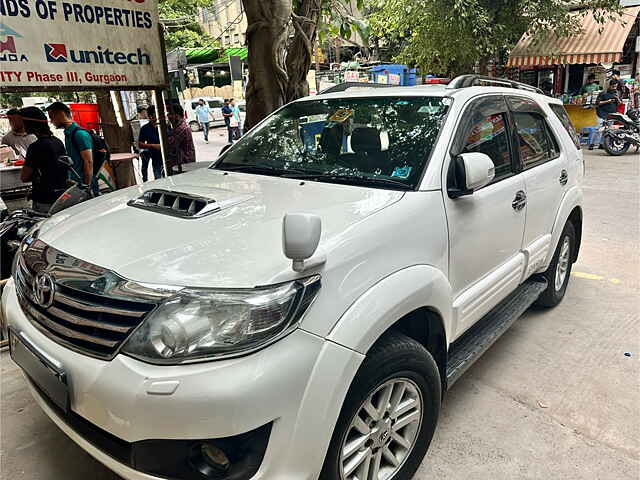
x,y
564,177
520,201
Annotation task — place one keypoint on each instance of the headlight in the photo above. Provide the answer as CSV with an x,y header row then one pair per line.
x,y
200,324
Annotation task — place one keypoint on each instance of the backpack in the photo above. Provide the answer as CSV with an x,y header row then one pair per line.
x,y
100,151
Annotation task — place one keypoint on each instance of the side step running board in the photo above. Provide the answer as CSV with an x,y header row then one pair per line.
x,y
468,348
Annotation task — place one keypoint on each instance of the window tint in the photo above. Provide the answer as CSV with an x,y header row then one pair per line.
x,y
215,104
561,113
535,141
487,133
194,105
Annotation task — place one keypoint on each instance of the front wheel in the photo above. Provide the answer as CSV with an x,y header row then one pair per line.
x,y
389,415
195,126
614,146
558,273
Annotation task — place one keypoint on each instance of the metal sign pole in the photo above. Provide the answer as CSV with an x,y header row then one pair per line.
x,y
158,100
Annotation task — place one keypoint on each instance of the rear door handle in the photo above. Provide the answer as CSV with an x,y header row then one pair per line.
x,y
564,177
520,201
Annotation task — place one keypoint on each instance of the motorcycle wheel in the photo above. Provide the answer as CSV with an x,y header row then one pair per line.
x,y
614,146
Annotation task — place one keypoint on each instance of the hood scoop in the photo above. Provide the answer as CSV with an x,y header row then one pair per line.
x,y
175,204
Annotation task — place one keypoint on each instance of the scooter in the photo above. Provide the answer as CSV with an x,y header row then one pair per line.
x,y
621,132
16,225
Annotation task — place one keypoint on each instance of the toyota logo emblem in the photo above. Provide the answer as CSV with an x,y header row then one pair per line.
x,y
43,289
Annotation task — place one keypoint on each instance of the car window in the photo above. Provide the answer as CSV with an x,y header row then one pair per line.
x,y
215,104
369,140
535,141
487,133
194,105
561,113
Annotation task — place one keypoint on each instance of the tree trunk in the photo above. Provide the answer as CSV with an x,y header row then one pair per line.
x,y
300,51
118,138
267,28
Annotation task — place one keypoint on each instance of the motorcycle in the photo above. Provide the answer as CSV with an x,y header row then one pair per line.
x,y
16,225
621,132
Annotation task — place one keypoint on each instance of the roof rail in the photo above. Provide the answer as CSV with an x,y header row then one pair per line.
x,y
341,87
464,81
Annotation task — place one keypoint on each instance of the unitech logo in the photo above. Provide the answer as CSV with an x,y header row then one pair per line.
x,y
58,52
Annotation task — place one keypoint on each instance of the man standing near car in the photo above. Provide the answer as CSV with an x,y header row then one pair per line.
x,y
77,141
203,116
149,142
227,113
47,175
18,139
180,140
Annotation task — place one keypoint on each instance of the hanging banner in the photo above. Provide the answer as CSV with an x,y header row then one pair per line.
x,y
62,43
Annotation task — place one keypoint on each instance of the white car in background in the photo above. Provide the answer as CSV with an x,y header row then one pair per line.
x,y
215,104
297,310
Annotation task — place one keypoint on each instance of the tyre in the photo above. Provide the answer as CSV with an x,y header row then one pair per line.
x,y
615,147
195,126
559,271
389,414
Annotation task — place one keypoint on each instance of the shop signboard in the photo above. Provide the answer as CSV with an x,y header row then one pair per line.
x,y
382,79
351,76
394,79
94,43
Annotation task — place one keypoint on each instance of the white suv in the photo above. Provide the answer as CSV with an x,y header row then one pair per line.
x,y
298,310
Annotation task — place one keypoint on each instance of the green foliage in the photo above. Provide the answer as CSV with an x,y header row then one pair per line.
x,y
450,36
186,32
15,99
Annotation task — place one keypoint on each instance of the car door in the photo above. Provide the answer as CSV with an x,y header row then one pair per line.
x,y
216,110
486,227
545,174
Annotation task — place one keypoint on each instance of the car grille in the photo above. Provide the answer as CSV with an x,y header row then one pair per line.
x,y
92,324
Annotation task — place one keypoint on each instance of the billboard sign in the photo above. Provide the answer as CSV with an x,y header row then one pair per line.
x,y
96,43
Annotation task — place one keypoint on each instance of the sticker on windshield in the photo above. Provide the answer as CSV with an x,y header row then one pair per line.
x,y
402,172
430,109
341,115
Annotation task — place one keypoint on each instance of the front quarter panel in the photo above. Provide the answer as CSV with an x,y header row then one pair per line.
x,y
391,299
572,199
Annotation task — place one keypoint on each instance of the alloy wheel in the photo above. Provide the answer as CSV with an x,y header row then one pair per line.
x,y
563,264
383,432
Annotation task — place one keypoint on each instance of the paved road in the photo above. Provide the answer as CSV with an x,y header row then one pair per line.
x,y
555,398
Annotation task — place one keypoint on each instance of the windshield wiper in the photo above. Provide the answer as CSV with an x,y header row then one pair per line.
x,y
260,169
353,179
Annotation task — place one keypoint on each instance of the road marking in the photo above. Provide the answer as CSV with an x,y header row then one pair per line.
x,y
593,276
588,276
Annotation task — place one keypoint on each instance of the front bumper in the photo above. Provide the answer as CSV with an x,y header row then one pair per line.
x,y
296,385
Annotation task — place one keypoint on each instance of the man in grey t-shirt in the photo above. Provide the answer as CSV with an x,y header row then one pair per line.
x,y
17,138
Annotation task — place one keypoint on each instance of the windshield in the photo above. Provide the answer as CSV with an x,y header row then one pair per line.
x,y
377,142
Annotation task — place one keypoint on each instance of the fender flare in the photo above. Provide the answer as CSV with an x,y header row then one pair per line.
x,y
388,301
572,199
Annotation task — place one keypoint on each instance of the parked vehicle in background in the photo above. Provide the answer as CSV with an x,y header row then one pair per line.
x,y
215,104
622,132
298,309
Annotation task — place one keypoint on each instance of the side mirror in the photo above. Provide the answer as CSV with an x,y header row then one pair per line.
x,y
469,172
66,161
300,239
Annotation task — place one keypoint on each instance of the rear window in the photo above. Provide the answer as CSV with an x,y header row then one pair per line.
x,y
561,113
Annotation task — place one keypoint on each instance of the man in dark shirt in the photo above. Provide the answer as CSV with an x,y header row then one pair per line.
x,y
149,141
607,102
227,113
41,167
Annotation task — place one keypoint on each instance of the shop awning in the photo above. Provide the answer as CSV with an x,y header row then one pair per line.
x,y
199,55
596,44
232,52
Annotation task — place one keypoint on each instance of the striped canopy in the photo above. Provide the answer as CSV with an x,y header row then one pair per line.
x,y
597,43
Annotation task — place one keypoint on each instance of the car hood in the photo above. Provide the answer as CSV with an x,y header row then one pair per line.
x,y
239,245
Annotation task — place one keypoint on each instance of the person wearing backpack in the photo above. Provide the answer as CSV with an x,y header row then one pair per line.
x,y
78,142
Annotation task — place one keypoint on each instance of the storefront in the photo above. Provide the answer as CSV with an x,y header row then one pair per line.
x,y
561,66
